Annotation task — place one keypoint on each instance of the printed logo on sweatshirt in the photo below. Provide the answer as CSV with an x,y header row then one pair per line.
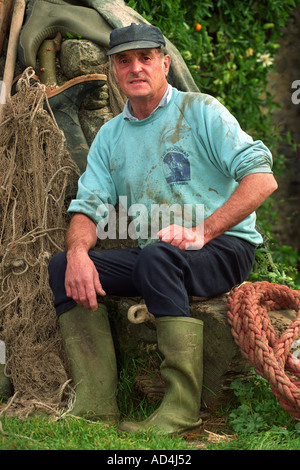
x,y
176,166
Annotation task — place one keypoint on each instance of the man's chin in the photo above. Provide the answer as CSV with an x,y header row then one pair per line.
x,y
138,94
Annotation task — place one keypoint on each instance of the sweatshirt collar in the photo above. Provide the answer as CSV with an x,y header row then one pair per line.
x,y
128,113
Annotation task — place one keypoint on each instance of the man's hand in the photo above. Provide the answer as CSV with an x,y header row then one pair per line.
x,y
183,238
82,280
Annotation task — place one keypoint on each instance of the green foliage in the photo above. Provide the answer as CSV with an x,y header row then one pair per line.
x,y
70,36
259,409
229,47
230,56
259,421
279,267
138,408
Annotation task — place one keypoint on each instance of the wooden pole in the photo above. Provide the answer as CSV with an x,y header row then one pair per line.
x,y
5,7
11,56
47,56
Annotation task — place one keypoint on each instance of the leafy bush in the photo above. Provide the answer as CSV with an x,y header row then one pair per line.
x,y
258,408
229,47
260,414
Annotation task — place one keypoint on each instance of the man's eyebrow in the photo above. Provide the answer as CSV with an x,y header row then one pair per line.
x,y
121,55
147,52
124,55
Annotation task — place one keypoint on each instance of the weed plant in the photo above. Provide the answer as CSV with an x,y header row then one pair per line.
x,y
258,421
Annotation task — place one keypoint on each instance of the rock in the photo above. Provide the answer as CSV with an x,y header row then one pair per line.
x,y
98,98
92,120
81,57
131,341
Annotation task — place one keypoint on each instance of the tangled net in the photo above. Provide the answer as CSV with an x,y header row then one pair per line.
x,y
36,172
252,330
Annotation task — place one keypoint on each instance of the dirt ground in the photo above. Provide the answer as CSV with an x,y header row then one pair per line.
x,y
213,431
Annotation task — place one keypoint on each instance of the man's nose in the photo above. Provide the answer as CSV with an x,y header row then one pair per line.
x,y
136,65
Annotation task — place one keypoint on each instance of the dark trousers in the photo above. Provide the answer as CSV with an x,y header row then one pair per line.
x,y
162,274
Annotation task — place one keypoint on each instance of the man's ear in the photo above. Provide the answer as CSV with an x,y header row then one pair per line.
x,y
167,63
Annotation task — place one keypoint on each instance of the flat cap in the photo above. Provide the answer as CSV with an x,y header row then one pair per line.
x,y
135,36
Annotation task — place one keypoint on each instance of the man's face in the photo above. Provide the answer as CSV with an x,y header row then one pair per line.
x,y
141,73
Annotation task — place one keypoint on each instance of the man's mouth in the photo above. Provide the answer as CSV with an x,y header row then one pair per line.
x,y
138,81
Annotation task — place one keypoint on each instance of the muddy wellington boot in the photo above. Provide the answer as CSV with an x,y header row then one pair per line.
x,y
45,18
180,340
90,351
65,102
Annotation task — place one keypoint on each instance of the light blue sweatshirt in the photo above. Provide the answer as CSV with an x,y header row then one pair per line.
x,y
190,151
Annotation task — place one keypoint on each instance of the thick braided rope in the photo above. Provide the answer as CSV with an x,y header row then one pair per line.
x,y
252,330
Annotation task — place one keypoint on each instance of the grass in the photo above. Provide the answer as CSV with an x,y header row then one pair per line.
x,y
78,434
255,420
39,433
269,440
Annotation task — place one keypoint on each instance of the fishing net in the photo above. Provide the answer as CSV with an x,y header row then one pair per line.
x,y
37,175
117,98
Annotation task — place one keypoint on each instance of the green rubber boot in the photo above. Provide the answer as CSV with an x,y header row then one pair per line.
x,y
65,102
180,340
90,351
45,18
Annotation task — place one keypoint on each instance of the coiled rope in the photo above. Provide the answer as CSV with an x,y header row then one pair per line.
x,y
268,354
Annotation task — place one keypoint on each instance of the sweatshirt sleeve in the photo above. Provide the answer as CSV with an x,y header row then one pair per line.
x,y
96,189
230,148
